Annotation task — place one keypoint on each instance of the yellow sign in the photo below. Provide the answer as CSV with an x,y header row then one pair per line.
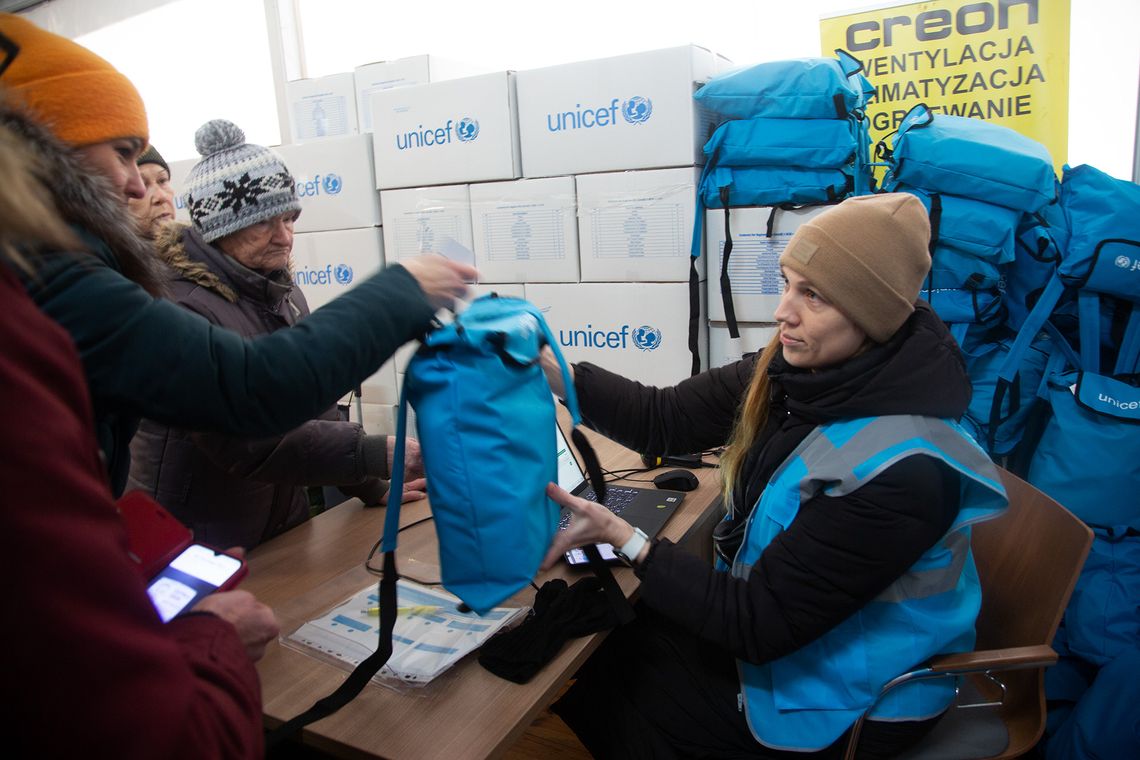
x,y
1005,61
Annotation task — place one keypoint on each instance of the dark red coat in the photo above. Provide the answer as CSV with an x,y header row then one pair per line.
x,y
89,669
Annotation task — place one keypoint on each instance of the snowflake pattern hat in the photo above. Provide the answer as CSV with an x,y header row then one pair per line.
x,y
235,185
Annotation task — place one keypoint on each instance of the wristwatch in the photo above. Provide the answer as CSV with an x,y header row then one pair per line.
x,y
631,548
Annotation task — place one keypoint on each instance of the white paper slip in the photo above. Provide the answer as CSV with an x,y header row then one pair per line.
x,y
454,250
430,634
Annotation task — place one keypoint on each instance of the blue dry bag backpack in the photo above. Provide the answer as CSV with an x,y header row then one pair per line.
x,y
486,422
796,135
1088,454
485,419
970,158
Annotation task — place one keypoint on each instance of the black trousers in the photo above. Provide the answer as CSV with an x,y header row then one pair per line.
x,y
653,690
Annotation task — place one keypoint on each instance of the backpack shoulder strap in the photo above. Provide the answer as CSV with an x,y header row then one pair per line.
x,y
387,592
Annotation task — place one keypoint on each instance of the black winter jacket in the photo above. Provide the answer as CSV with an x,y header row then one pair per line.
x,y
839,553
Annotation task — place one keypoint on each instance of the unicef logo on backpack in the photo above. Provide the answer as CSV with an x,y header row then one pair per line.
x,y
332,184
647,338
343,274
467,129
637,109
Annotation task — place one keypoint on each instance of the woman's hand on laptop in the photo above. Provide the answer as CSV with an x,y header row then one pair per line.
x,y
591,523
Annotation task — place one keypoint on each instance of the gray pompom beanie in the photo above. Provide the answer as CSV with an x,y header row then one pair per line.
x,y
236,184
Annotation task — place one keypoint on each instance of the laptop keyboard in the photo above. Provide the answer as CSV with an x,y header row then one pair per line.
x,y
617,499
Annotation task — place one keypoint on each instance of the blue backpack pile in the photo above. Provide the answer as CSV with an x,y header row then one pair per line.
x,y
1040,283
1085,452
982,184
794,134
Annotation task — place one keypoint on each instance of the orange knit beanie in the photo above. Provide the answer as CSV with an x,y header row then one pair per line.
x,y
76,94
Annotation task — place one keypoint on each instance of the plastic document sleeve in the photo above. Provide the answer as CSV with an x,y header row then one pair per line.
x,y
430,635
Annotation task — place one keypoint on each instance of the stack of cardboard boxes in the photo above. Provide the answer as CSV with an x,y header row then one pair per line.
x,y
573,186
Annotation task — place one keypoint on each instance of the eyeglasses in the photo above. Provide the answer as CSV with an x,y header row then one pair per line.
x,y
10,50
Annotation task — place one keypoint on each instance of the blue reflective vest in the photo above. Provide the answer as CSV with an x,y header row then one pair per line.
x,y
806,700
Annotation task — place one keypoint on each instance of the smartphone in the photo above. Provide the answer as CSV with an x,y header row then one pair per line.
x,y
196,572
578,556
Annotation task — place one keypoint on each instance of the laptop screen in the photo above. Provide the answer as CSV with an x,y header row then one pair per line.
x,y
570,474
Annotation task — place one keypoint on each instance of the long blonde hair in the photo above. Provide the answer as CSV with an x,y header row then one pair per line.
x,y
750,420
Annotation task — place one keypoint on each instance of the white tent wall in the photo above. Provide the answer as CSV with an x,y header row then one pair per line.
x,y
192,61
74,18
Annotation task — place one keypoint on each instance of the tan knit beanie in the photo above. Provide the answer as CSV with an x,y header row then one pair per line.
x,y
868,256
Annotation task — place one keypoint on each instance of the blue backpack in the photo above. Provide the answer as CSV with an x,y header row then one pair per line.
x,y
976,179
798,136
970,158
1040,239
802,88
485,420
970,242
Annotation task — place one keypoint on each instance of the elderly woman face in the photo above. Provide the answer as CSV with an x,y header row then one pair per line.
x,y
264,246
156,207
114,160
813,333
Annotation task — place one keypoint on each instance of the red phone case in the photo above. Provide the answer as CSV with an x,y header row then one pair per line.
x,y
155,537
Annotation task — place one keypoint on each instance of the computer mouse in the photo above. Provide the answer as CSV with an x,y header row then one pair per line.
x,y
676,480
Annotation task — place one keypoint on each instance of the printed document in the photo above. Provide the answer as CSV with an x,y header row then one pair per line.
x,y
430,635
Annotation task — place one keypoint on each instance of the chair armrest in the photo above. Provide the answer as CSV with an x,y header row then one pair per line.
x,y
1013,658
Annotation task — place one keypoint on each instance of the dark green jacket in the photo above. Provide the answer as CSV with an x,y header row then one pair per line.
x,y
146,357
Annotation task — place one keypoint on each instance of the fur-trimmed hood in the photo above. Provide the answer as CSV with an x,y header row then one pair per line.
x,y
84,200
191,259
170,246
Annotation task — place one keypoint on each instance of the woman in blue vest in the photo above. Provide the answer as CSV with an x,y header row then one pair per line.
x,y
844,557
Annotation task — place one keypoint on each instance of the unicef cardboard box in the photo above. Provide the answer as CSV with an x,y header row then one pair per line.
x,y
427,220
525,230
402,72
754,263
461,130
325,265
335,183
724,349
179,171
637,226
321,107
628,112
639,330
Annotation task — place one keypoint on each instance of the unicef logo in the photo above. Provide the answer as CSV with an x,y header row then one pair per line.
x,y
343,274
637,110
1123,262
647,338
332,184
467,129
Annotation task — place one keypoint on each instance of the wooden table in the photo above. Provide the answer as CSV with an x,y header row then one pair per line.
x,y
466,712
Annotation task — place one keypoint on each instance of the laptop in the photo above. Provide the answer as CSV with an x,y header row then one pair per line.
x,y
645,508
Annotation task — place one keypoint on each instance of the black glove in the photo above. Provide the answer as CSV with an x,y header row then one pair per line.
x,y
560,613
